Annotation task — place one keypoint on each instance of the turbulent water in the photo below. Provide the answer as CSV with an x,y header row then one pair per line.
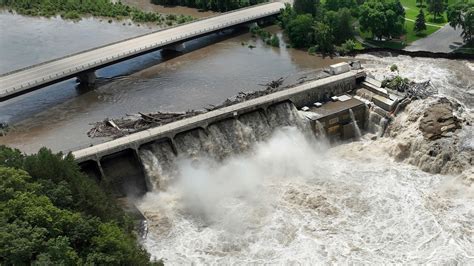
x,y
452,78
289,198
292,200
258,189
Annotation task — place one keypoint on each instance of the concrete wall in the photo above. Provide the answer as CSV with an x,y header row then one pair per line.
x,y
118,159
338,125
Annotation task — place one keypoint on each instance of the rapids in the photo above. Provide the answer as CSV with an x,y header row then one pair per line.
x,y
290,199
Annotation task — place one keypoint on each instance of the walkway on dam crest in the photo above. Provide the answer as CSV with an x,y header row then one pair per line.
x,y
34,77
298,95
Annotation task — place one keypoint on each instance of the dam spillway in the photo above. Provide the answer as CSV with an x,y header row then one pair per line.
x,y
137,163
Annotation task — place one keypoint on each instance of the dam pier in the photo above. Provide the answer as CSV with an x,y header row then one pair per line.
x,y
137,163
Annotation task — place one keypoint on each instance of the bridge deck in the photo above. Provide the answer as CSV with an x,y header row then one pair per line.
x,y
27,79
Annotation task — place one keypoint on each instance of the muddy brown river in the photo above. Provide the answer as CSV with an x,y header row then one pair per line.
x,y
212,69
291,200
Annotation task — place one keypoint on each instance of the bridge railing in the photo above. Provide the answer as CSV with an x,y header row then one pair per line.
x,y
131,38
135,51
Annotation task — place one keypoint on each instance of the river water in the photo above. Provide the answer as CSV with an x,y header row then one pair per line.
x,y
60,116
293,201
289,199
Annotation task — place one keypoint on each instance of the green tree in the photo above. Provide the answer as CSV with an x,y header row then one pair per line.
x,y
323,38
382,19
347,47
341,25
275,41
335,5
286,15
215,5
394,68
462,15
437,7
11,157
420,24
300,31
306,6
42,220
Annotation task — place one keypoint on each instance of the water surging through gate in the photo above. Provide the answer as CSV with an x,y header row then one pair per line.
x,y
217,142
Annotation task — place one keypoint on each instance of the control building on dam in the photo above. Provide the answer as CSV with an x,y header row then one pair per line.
x,y
133,164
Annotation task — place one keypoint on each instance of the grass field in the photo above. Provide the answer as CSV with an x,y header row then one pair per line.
x,y
411,11
411,35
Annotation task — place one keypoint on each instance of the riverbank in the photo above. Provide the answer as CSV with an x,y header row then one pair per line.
x,y
147,6
60,116
76,10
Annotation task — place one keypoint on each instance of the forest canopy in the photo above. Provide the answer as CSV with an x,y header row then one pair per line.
x,y
53,214
214,5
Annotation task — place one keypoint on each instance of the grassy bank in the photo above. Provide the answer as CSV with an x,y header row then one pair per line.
x,y
75,9
411,12
412,36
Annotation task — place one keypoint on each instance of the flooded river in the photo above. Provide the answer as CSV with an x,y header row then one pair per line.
x,y
290,200
293,200
60,116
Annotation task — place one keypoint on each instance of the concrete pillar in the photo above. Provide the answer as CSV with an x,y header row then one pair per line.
x,y
179,47
173,146
87,78
251,25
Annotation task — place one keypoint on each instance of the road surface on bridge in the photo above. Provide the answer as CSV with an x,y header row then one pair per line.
x,y
24,80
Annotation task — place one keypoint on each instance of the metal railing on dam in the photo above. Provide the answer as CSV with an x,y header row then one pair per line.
x,y
37,76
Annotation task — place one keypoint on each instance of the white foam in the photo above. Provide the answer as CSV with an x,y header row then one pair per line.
x,y
291,201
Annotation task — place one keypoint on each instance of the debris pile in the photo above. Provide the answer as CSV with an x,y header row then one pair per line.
x,y
421,90
415,91
133,123
120,127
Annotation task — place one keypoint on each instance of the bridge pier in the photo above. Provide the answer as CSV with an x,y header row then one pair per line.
x,y
179,47
87,78
251,25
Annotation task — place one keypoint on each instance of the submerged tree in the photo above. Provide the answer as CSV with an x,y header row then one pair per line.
x,y
420,24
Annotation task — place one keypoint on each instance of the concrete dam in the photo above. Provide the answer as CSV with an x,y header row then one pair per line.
x,y
143,161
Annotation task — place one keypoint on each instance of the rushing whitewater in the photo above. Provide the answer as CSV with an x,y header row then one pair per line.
x,y
287,197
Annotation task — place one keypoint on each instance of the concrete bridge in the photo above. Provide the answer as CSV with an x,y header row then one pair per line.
x,y
119,159
83,64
